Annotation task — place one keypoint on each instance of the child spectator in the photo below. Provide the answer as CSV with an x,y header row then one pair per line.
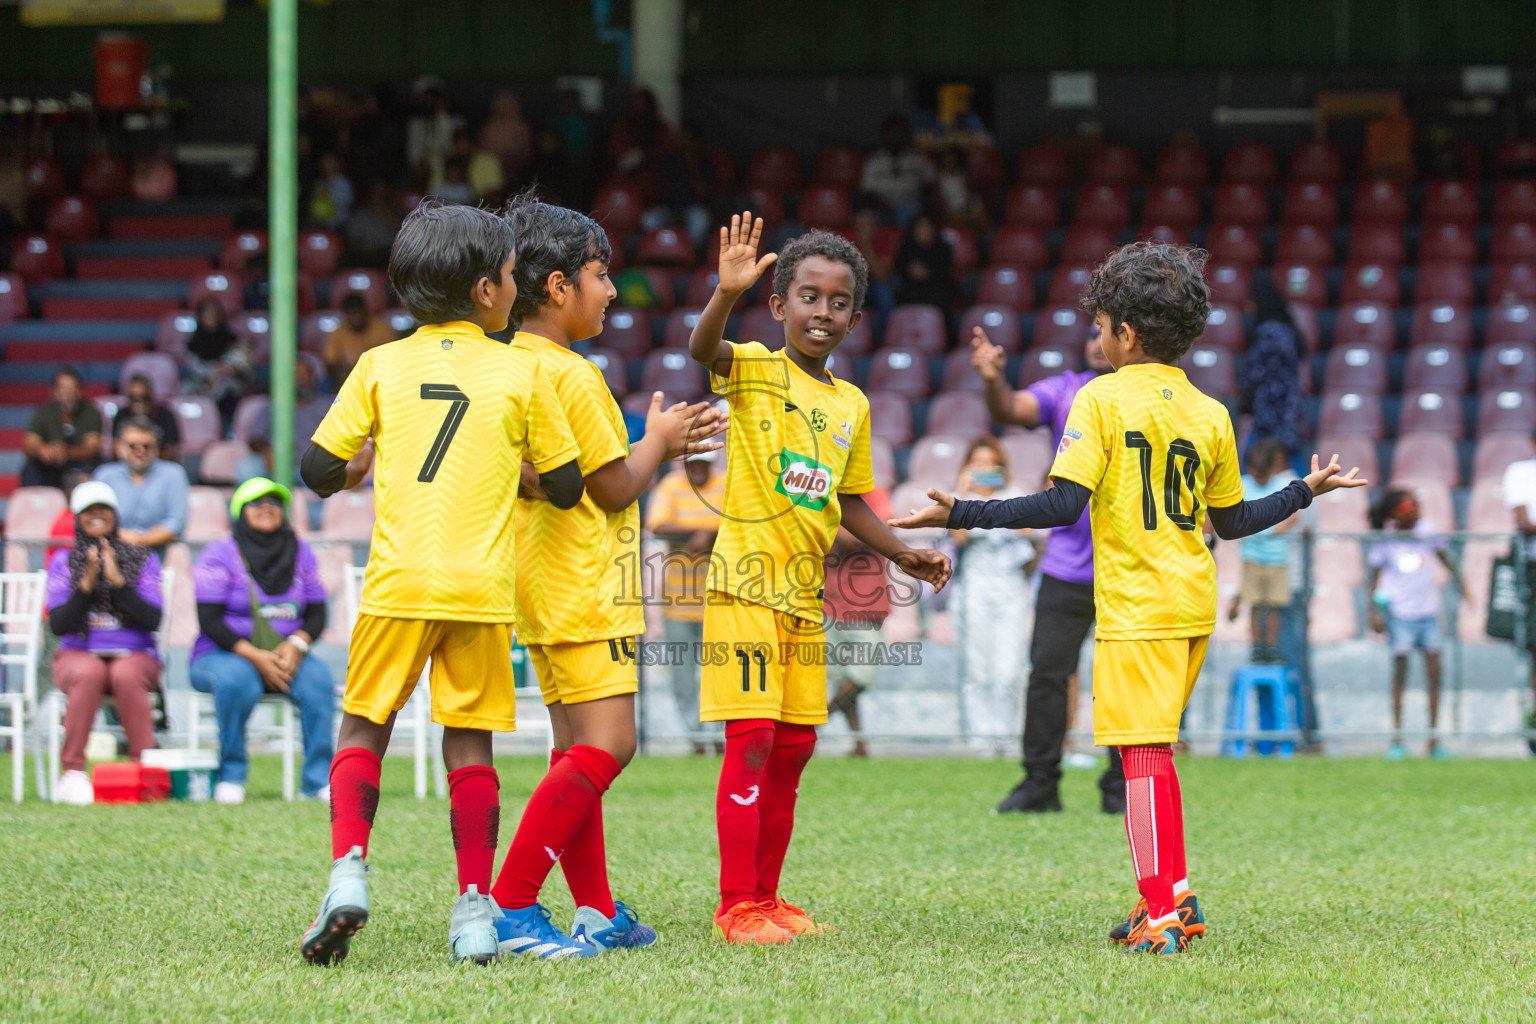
x,y
1266,585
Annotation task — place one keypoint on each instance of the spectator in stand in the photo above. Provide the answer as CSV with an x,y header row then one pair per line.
x,y
857,600
482,170
1519,486
573,125
454,186
505,135
962,206
879,249
141,402
310,405
558,180
925,266
218,361
429,135
1266,580
690,182
260,604
63,434
330,201
151,492
639,138
371,229
103,597
684,510
896,172
358,332
1271,380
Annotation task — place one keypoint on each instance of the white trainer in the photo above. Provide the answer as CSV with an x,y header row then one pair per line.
x,y
74,788
229,793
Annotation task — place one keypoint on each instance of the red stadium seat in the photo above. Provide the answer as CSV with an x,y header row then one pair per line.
x,y
839,167
890,418
1251,163
1377,243
319,252
1449,240
1514,199
1062,326
882,463
1114,165
1351,412
1437,367
13,298
1000,323
627,331
1450,200
1235,243
984,165
1069,284
105,178
1506,411
1305,243
1108,205
1356,369
1044,165
1162,234
372,285
1445,282
1513,242
959,412
1496,452
1371,282
1013,287
1182,161
673,372
1240,202
959,374
1426,457
678,327
1301,282
1516,155
73,219
1315,160
172,332
1087,243
44,178
1019,246
822,206
198,419
618,208
1224,329
962,248
1380,201
1512,282
614,369
37,258
164,376
767,203
917,329
776,167
901,371
314,327
1365,323
936,460
1212,370
224,285
1030,454
1033,206
1426,410
666,247
1507,367
758,324
701,287
1309,202
1438,323
1042,362
1229,283
240,248
858,342
251,407
1173,204
1511,322
1304,317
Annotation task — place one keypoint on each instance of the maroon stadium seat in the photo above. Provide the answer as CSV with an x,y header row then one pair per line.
x,y
1514,199
44,178
936,459
1114,165
319,253
615,370
1371,282
1224,328
1301,282
839,167
767,203
1448,240
1513,242
674,372
1069,284
1309,202
1019,246
822,206
256,325
1044,164
618,208
1315,160
1356,369
962,247
776,167
1032,205
1511,322
959,412
901,371
858,342
758,324
890,418
984,165
1516,155
240,248
665,247
73,219
13,298
1380,201
313,328
173,331
1228,282
1108,205
1174,204
1240,202
1252,163
1507,367
678,327
1013,287
1162,234
105,178
37,258
246,413
1365,323
959,374
1428,410
1431,457
1062,326
918,329
1351,412
1445,282
225,286
882,463
1304,243
198,419
1377,243
1513,411
1450,200
1440,323
164,376
371,284
1212,370
627,331
1182,161
1437,367
1042,362
701,287
1235,243
1087,243
1495,452
1511,282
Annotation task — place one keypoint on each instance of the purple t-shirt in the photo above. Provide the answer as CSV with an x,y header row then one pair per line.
x,y
1408,571
1069,551
219,577
104,632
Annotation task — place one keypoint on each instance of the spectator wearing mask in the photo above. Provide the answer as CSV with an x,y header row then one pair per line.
x,y
151,492
141,402
857,603
330,202
218,361
1266,580
358,332
103,597
63,434
310,405
925,265
896,172
260,604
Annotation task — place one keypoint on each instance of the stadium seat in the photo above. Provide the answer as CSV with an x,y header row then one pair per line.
x,y
1513,242
1182,161
105,178
1437,367
1510,322
207,515
1239,202
959,375
1162,234
1351,412
1017,245
1033,206
1449,200
37,258
1507,367
1437,323
164,376
614,369
313,328
1229,283
1030,453
1379,201
918,329
882,463
348,515
900,371
240,248
822,206
627,331
1087,243
1315,160
1304,243
1041,362
13,298
1495,452
839,167
962,247
764,202
1235,243
998,321
1371,282
1486,513
319,253
225,286
984,165
251,408
198,419
1445,282
221,461
1009,286
1512,282
1352,450
1377,243
400,320
1516,156
372,285
1044,164
1356,369
1365,323
678,327
30,512
673,372
1420,456
936,460
1171,203
1224,328
1304,317
1251,163
44,178
1062,326
776,167
618,208
890,418
666,247
647,288
1069,284
1449,240
1211,369
1301,282
1309,202
959,412
858,342
1113,164
758,324
72,219
1506,411
1514,199
701,287
1107,205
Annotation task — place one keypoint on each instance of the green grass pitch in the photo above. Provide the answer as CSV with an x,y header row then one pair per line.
x,y
1335,890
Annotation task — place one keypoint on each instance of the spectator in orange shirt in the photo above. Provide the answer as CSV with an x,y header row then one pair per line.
x,y
358,332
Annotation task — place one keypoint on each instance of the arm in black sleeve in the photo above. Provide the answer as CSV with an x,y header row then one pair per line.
x,y
314,619
69,617
134,610
324,473
1249,517
563,485
1062,505
210,619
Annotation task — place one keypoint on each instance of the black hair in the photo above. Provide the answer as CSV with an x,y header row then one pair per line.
x,y
1156,288
1382,510
67,371
141,423
440,254
1269,303
828,246
353,300
139,378
1270,453
549,238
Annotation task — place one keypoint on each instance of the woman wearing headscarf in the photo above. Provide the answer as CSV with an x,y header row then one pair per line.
x,y
260,604
218,361
1271,376
103,597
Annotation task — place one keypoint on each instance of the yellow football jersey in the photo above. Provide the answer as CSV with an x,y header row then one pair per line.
x,y
794,444
577,570
1156,453
452,414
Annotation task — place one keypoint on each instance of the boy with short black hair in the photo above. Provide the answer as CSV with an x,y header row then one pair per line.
x,y
1155,456
798,465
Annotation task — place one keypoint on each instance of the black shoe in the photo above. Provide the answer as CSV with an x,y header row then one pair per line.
x,y
1032,796
1113,802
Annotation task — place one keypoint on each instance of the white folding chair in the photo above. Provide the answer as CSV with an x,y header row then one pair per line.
x,y
21,644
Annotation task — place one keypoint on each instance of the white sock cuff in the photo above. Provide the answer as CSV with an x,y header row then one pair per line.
x,y
1165,919
1180,887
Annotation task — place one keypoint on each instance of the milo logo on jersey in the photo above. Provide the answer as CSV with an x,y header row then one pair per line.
x,y
803,480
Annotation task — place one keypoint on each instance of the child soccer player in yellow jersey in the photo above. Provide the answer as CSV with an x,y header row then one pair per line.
x,y
1151,457
798,466
574,611
452,414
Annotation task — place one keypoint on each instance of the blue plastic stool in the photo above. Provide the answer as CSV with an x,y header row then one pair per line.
x,y
1276,690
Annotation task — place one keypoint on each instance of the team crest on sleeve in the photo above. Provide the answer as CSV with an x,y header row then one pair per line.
x,y
447,344
1168,394
1067,437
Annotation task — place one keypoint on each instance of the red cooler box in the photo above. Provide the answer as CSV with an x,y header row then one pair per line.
x,y
127,782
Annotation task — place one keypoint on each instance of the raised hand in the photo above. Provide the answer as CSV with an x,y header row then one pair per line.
x,y
92,574
934,515
929,566
987,359
109,567
687,429
740,266
1332,478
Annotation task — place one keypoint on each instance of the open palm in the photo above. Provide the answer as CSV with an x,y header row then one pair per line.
x,y
740,266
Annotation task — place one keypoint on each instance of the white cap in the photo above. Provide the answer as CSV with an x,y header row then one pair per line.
x,y
92,492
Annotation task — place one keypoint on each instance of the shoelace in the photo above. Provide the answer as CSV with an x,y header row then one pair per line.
x,y
547,931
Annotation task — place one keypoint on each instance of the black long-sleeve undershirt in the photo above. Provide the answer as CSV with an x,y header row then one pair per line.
x,y
210,619
325,474
132,609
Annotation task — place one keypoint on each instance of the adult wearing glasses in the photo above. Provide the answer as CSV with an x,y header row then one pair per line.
x,y
260,604
151,492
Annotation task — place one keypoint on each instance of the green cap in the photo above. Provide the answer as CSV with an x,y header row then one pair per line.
x,y
254,488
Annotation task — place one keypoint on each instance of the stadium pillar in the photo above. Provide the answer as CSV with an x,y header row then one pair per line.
x,y
283,225
658,28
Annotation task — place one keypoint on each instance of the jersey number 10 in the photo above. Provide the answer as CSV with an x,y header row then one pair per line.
x,y
1178,449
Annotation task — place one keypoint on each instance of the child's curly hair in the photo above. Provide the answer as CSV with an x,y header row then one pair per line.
x,y
829,246
1159,290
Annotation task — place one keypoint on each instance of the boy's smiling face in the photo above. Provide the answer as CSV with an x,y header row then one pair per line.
x,y
818,309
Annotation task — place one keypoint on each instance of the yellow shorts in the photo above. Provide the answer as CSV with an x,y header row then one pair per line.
x,y
761,663
1140,688
471,670
580,672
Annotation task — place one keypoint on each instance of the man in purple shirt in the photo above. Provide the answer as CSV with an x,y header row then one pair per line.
x,y
1064,607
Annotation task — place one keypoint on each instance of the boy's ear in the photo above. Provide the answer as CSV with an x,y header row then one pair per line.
x,y
776,307
555,285
853,321
481,293
1127,333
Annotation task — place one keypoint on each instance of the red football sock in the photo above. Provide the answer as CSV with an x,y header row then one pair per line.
x,y
1177,869
474,799
792,748
556,811
354,799
748,745
1150,825
585,861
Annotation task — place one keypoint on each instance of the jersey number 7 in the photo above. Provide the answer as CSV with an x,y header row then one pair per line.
x,y
459,405
1178,449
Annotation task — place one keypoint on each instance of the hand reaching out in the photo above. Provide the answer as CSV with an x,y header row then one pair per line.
x,y
930,566
933,515
686,428
1331,477
740,266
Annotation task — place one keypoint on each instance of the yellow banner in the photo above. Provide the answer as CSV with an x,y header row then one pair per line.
x,y
39,13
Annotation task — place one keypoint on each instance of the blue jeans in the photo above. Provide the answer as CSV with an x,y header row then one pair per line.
x,y
236,687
